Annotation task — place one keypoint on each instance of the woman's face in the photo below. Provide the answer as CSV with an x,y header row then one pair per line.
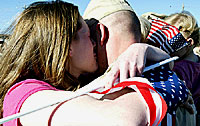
x,y
82,53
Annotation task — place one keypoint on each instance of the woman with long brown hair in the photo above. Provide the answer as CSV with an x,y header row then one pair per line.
x,y
49,42
48,48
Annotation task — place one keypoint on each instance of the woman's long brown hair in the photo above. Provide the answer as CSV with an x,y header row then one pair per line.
x,y
38,46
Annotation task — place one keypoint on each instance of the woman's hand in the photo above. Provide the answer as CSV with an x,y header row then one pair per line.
x,y
132,62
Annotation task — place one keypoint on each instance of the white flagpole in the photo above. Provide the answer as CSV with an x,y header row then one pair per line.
x,y
160,63
84,90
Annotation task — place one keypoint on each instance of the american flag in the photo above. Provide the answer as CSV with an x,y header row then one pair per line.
x,y
166,37
156,105
170,87
161,90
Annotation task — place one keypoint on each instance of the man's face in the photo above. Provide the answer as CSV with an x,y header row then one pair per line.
x,y
101,55
101,48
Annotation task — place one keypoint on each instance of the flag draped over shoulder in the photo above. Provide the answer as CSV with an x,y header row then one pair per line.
x,y
156,105
166,37
161,90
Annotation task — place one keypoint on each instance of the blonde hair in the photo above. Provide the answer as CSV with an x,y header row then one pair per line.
x,y
3,42
187,25
184,22
152,15
145,23
39,46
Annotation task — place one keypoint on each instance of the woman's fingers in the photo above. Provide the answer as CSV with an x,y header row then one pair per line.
x,y
111,76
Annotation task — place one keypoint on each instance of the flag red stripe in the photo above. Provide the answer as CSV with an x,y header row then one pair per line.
x,y
149,100
170,31
164,110
156,38
144,90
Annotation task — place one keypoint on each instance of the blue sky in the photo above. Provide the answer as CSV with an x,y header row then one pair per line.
x,y
10,8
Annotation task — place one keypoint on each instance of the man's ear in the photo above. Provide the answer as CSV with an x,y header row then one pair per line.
x,y
191,41
104,34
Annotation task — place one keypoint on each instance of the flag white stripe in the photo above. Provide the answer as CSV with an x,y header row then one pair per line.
x,y
155,39
137,90
158,103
